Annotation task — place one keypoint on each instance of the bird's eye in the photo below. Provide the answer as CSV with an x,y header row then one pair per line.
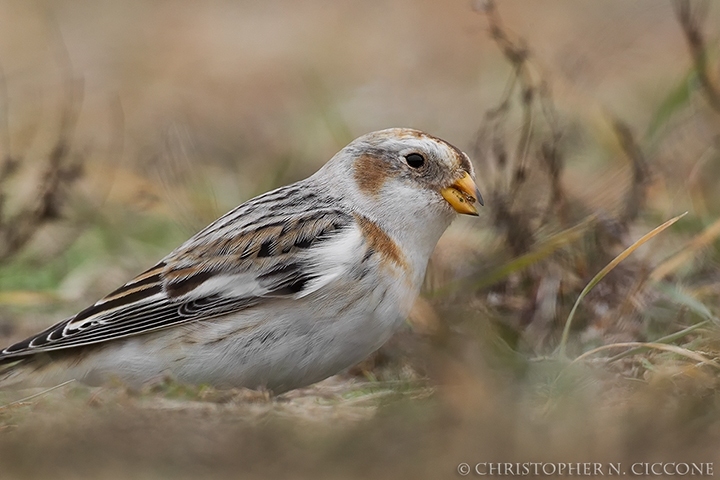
x,y
415,160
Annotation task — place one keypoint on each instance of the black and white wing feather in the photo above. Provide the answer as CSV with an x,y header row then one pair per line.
x,y
264,249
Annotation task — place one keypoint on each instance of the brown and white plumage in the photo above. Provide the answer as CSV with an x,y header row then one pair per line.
x,y
285,290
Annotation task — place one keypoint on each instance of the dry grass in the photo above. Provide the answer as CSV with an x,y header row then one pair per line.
x,y
539,338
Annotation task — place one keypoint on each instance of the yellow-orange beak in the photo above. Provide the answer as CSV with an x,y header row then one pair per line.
x,y
462,195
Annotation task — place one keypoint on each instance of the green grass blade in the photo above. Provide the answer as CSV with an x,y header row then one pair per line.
x,y
664,340
607,269
677,295
677,99
684,352
544,250
687,252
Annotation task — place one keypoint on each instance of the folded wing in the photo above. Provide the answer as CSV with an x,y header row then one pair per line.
x,y
271,247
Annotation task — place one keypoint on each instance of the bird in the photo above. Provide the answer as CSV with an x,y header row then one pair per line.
x,y
287,289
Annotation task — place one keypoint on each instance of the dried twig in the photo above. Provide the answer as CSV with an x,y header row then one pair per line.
x,y
635,198
511,165
35,395
526,114
691,16
62,169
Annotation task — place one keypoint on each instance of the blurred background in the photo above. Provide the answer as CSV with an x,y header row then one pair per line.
x,y
559,326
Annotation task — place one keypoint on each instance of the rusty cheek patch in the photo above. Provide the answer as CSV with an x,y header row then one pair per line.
x,y
370,174
380,242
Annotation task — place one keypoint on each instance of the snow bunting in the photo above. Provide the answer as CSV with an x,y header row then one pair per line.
x,y
285,290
